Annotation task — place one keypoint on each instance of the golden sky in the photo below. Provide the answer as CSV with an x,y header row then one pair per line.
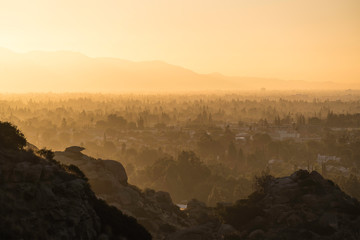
x,y
315,40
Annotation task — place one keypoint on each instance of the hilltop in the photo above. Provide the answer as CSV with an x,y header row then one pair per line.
x,y
301,206
43,199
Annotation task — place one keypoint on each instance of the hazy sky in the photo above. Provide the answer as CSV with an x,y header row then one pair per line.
x,y
288,39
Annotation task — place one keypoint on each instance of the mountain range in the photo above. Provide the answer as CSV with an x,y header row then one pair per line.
x,y
64,71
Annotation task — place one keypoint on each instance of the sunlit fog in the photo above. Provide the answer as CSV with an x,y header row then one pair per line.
x,y
180,120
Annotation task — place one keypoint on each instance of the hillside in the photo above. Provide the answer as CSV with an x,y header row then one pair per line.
x,y
153,209
74,72
41,199
301,206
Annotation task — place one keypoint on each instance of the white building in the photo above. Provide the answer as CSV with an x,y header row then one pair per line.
x,y
325,158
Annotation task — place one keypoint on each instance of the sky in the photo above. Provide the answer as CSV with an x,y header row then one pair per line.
x,y
314,40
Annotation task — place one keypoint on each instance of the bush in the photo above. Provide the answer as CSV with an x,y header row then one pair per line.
x,y
11,137
261,183
75,170
241,213
46,153
120,224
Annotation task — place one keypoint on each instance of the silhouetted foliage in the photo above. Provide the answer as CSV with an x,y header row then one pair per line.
x,y
76,171
262,182
240,213
47,154
11,137
120,224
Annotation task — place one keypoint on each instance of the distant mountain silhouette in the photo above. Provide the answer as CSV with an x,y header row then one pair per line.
x,y
70,71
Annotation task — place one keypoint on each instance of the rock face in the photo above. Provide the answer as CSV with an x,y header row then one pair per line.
x,y
154,210
40,199
205,225
301,206
100,172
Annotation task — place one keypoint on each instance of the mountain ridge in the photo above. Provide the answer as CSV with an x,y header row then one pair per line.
x,y
67,71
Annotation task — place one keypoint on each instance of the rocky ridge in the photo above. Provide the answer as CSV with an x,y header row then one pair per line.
x,y
301,206
40,199
153,209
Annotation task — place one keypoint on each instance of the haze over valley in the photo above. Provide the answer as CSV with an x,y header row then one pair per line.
x,y
64,71
180,120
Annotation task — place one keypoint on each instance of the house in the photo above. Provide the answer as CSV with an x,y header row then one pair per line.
x,y
241,136
325,158
284,134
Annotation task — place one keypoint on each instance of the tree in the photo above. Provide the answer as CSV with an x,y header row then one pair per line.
x,y
140,123
75,170
11,137
232,152
116,121
47,153
262,182
208,146
261,140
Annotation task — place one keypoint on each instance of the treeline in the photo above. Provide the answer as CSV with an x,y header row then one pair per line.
x,y
186,177
232,135
343,120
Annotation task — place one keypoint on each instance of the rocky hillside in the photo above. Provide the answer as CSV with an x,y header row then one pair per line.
x,y
301,206
154,210
41,199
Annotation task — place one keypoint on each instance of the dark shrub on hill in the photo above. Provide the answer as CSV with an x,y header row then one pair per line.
x,y
76,171
119,223
11,137
47,153
261,183
238,215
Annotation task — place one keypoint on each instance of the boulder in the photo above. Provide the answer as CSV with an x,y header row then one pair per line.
x,y
74,149
256,234
41,200
302,206
117,170
108,178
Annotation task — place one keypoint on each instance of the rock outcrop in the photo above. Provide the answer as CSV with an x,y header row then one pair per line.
x,y
153,209
205,224
301,206
40,199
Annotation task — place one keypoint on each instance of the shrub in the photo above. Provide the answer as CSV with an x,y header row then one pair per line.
x,y
120,224
241,213
75,170
46,153
11,137
261,183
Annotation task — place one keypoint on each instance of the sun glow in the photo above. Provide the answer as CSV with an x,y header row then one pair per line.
x,y
290,40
